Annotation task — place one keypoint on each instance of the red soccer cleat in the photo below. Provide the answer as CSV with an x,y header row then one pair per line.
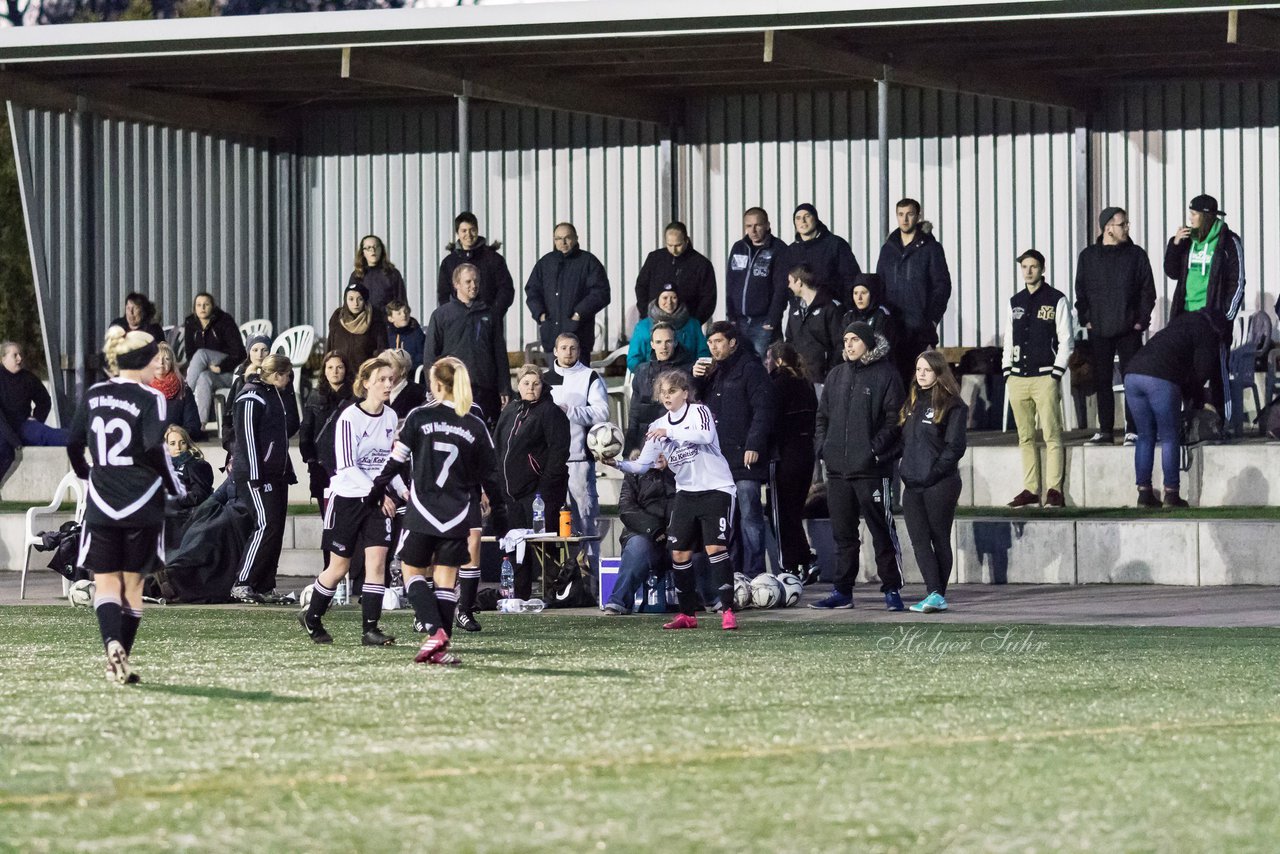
x,y
445,658
434,645
728,621
682,621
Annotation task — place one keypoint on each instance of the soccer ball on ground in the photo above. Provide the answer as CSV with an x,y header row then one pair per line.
x,y
604,440
766,591
741,591
304,598
792,588
81,593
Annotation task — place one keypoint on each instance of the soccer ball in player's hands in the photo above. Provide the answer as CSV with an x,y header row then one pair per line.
x,y
604,440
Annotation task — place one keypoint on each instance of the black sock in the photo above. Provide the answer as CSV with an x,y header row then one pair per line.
x,y
447,600
109,618
682,575
722,577
321,599
371,604
422,597
129,620
468,587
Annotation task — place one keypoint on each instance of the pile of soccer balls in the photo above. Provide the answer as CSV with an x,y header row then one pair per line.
x,y
767,591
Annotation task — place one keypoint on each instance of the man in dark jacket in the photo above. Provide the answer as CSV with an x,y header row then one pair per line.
x,y
1115,295
681,265
737,390
858,436
1207,260
917,285
828,256
465,327
567,287
496,288
644,408
756,281
867,303
24,405
814,325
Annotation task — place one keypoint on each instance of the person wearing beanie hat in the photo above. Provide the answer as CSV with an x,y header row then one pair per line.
x,y
917,285
256,349
1206,259
356,329
858,437
1115,295
828,256
867,303
1037,344
814,324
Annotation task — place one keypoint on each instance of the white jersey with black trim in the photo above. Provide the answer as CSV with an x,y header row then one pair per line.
x,y
692,450
362,444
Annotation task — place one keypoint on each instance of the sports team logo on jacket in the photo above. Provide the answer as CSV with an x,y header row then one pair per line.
x,y
1046,312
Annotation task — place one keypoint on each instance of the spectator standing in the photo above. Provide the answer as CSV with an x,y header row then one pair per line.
x,y
496,287
858,437
867,304
1115,295
678,264
214,348
533,452
917,285
667,309
645,408
737,390
1175,364
333,391
828,256
380,279
1207,260
356,329
257,348
933,424
404,332
139,316
756,281
467,328
24,405
567,287
1037,345
813,325
793,434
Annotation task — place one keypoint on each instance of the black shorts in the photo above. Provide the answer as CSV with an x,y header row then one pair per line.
x,y
700,518
423,550
350,524
109,549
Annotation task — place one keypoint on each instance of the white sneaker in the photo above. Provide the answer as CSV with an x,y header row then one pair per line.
x,y
1130,439
117,663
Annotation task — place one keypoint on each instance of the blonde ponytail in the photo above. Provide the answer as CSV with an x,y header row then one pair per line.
x,y
119,342
451,373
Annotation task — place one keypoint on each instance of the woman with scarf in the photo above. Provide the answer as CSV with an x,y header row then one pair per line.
x,y
180,403
194,473
356,330
666,309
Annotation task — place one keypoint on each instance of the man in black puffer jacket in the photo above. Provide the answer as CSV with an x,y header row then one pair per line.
x,y
1115,295
467,328
496,288
828,256
679,264
737,390
567,287
814,324
858,437
917,284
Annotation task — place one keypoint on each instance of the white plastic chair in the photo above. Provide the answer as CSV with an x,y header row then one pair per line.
x,y
420,375
257,326
177,338
295,343
69,483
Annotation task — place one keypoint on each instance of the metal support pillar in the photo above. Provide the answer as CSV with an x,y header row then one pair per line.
x,y
882,123
464,148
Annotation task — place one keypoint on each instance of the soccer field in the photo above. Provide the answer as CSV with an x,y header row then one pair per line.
x,y
577,733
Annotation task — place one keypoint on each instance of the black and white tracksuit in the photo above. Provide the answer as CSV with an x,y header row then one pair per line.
x,y
264,420
931,452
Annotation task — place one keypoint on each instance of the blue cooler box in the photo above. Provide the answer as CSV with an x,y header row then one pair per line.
x,y
609,568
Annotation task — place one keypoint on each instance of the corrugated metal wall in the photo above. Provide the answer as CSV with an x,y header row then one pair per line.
x,y
393,173
167,212
994,178
1157,146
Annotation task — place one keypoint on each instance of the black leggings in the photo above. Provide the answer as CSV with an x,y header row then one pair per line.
x,y
930,513
791,481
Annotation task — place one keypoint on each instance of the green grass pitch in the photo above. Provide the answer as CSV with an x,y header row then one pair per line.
x,y
573,733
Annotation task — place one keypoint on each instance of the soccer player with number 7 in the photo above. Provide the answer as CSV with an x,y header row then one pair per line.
x,y
703,507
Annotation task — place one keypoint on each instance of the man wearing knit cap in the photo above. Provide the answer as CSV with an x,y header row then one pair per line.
x,y
858,438
1115,295
1037,344
828,256
1207,260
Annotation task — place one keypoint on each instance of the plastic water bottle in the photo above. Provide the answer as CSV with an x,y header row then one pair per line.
x,y
507,583
539,514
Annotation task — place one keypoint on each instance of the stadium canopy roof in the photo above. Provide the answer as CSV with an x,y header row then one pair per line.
x,y
258,75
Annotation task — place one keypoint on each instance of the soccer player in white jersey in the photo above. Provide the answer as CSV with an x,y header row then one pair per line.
x,y
363,438
703,507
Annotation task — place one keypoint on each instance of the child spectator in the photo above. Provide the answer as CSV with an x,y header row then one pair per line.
x,y
404,332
